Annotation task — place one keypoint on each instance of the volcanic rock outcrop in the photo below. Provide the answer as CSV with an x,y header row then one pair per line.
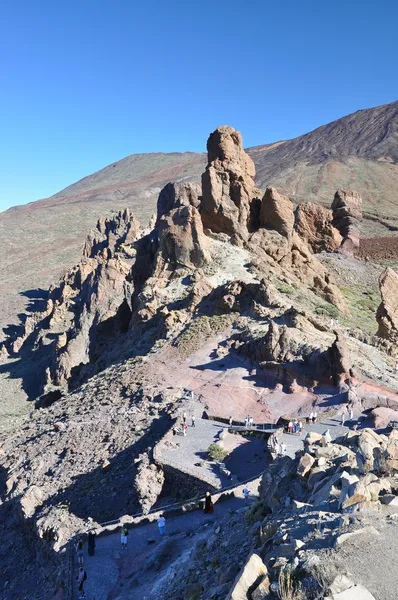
x,y
347,217
176,194
387,313
313,223
276,212
228,190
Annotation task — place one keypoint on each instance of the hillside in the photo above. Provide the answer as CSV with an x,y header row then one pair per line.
x,y
43,238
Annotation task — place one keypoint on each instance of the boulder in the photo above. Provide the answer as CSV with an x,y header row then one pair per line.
x,y
253,572
347,217
178,194
181,238
228,190
313,223
382,417
387,313
276,212
305,464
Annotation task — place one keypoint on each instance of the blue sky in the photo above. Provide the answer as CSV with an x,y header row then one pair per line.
x,y
84,83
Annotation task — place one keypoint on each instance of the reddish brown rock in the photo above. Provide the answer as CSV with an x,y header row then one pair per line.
x,y
347,217
181,238
175,195
387,313
276,212
228,190
313,223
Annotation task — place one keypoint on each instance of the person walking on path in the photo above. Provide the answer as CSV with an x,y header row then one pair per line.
x,y
246,493
343,417
81,578
351,414
230,421
91,543
80,552
184,417
314,417
184,429
161,524
208,504
311,416
123,537
193,421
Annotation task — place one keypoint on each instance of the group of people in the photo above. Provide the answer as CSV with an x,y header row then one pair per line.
x,y
249,421
295,426
182,429
82,574
276,446
313,416
347,411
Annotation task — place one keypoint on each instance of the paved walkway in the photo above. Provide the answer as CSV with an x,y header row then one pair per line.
x,y
103,569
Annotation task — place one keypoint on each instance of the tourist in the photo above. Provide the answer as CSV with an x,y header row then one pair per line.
x,y
300,426
184,429
246,421
184,417
208,504
311,416
80,552
246,493
193,421
314,416
161,524
331,323
81,578
290,427
123,537
295,426
230,421
251,421
91,543
343,417
351,414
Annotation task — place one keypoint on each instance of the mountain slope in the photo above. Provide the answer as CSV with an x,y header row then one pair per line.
x,y
43,238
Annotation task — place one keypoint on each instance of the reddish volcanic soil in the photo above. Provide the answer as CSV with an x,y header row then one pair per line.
x,y
378,248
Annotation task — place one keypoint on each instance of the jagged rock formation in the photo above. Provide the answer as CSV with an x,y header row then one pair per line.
x,y
148,482
111,234
347,217
276,212
177,194
228,190
387,313
313,223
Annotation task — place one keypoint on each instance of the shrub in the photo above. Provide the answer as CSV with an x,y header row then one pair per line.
x,y
257,512
283,288
327,309
216,452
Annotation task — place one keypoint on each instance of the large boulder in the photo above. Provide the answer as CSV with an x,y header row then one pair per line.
x,y
276,212
228,190
347,217
252,573
387,313
313,223
181,238
177,194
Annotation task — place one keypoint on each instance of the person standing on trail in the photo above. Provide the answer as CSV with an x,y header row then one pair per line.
x,y
193,421
343,417
246,422
161,524
230,421
246,493
184,429
91,543
80,552
351,414
314,417
208,503
311,416
123,537
81,578
184,417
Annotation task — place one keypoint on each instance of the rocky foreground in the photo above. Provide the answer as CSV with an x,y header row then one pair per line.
x,y
230,288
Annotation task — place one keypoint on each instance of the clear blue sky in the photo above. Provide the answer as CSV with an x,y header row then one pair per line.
x,y
84,83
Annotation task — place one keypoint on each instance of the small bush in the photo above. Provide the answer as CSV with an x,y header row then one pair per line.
x,y
328,310
257,512
289,588
216,452
283,288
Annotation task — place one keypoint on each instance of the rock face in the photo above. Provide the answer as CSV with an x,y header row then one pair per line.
x,y
277,212
347,217
181,237
175,195
110,234
313,223
253,571
228,191
148,483
387,313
